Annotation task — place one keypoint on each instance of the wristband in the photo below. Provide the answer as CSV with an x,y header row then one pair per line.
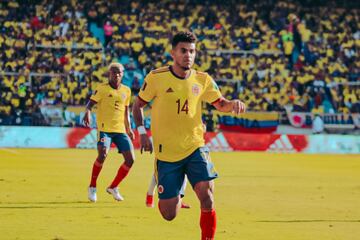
x,y
141,129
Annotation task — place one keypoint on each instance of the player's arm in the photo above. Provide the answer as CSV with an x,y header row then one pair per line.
x,y
127,123
138,114
234,106
87,117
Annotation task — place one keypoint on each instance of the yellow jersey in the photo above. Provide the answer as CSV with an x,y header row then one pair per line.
x,y
176,123
111,103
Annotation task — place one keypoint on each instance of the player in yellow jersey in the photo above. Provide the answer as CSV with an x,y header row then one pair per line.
x,y
177,92
113,123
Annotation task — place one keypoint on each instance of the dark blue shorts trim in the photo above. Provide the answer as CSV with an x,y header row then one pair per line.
x,y
121,140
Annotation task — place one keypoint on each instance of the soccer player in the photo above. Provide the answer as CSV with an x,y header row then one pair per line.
x,y
150,193
177,92
113,123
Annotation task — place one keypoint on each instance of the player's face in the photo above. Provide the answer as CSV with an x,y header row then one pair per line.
x,y
184,55
116,75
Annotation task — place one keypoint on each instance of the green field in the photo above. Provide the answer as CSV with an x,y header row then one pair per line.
x,y
258,196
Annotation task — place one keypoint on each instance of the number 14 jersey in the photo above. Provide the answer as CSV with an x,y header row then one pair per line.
x,y
176,123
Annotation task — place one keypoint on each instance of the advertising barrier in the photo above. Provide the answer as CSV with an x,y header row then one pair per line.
x,y
56,137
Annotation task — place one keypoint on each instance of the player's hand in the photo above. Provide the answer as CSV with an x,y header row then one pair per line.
x,y
87,119
131,134
238,107
145,144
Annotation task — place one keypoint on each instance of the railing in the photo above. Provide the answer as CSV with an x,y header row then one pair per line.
x,y
73,46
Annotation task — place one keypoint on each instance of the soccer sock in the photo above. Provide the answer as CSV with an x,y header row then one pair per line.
x,y
152,186
95,172
208,224
121,174
183,187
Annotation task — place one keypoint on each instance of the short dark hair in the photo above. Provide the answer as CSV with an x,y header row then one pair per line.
x,y
184,36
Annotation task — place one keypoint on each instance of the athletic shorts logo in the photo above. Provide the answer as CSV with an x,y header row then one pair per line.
x,y
102,140
160,189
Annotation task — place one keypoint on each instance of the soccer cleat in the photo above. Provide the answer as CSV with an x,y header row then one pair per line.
x,y
149,200
92,194
184,205
115,193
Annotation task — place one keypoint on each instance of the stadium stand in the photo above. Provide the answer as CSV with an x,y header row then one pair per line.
x,y
298,55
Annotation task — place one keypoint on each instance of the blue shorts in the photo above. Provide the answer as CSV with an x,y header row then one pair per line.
x,y
170,175
121,140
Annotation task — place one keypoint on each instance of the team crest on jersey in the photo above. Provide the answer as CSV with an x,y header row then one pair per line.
x,y
195,89
160,189
123,96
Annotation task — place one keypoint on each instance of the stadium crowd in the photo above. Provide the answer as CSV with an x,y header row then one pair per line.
x,y
270,54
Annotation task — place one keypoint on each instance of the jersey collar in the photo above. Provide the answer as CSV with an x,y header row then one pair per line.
x,y
182,78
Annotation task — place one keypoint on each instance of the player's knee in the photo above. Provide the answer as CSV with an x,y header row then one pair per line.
x,y
129,162
102,156
206,199
168,216
207,202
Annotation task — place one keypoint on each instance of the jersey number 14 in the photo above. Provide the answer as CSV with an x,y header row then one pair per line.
x,y
183,108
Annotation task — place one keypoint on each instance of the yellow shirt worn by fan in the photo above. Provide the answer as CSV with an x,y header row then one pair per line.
x,y
111,105
177,105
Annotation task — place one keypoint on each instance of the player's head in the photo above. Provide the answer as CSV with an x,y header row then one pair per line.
x,y
183,49
116,73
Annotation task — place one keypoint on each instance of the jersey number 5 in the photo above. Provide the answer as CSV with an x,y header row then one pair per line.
x,y
117,105
184,108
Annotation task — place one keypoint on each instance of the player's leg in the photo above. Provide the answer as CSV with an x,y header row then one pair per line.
x,y
183,187
170,176
201,173
204,191
182,194
103,148
150,193
124,145
170,207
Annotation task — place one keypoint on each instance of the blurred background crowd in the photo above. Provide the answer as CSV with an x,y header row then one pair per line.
x,y
299,55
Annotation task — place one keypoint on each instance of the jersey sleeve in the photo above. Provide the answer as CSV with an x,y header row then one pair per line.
x,y
148,89
96,97
211,91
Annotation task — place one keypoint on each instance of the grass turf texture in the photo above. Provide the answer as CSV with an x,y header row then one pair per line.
x,y
258,196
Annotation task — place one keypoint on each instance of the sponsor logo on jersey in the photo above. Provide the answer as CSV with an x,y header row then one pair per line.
x,y
170,90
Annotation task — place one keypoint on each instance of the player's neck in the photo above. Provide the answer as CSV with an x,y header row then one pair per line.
x,y
115,85
179,72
